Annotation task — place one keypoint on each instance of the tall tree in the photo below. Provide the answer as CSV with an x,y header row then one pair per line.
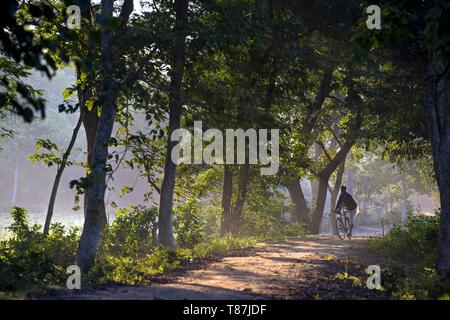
x,y
178,56
95,212
437,106
420,37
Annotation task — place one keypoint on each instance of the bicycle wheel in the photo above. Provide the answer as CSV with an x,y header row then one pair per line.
x,y
348,227
340,228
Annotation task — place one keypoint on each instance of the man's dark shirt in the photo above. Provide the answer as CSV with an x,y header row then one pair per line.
x,y
346,199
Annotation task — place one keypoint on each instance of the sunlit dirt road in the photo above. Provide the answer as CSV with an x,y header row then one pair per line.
x,y
317,267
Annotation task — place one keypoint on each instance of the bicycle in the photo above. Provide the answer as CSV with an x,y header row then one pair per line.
x,y
343,224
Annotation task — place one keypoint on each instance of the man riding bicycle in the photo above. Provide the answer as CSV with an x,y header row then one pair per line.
x,y
349,203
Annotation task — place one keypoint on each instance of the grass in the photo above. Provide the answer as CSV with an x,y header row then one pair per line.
x,y
127,270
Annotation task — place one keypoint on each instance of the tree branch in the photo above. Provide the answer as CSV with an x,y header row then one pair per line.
x,y
335,136
320,143
127,9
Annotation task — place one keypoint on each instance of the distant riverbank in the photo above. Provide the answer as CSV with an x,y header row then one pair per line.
x,y
70,219
76,219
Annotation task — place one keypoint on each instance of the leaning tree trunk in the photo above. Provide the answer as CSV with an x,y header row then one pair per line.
x,y
437,105
324,177
178,60
227,193
314,183
301,212
62,166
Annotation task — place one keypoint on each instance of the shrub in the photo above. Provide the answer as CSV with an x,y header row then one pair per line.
x,y
189,224
135,270
416,241
131,232
271,225
411,253
30,260
265,216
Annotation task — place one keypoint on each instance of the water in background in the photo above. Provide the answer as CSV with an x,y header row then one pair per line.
x,y
75,219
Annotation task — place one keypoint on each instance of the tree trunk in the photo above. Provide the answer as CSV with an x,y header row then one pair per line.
x,y
175,105
226,220
301,212
334,195
90,124
324,176
365,204
437,105
90,121
404,199
95,211
86,92
16,179
155,237
315,183
320,204
58,176
237,215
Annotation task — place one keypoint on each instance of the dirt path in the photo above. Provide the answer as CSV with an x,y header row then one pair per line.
x,y
306,268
